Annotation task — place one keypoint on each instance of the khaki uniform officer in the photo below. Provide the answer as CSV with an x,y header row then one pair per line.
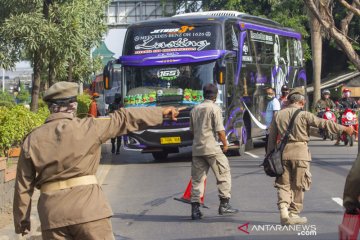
x,y
296,156
206,124
61,158
352,189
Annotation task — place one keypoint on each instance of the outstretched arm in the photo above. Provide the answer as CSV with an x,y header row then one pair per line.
x,y
127,120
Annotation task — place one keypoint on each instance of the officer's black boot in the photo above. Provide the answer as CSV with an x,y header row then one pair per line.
x,y
113,148
226,208
195,211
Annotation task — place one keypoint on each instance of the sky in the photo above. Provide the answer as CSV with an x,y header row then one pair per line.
x,y
114,40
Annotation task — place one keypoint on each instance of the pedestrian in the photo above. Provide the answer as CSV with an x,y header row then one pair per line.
x,y
296,157
272,107
206,125
283,98
61,158
93,108
324,102
116,105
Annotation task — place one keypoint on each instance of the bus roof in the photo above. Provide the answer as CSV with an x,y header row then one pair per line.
x,y
216,16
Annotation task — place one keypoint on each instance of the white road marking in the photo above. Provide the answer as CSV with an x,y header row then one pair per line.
x,y
338,200
252,155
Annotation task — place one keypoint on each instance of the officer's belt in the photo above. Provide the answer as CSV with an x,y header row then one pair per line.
x,y
69,183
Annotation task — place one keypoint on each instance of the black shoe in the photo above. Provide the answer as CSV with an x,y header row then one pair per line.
x,y
226,208
113,149
195,211
117,152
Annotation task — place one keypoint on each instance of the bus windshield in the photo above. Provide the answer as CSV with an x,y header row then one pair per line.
x,y
164,85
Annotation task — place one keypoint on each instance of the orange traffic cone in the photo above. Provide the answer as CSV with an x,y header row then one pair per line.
x,y
186,198
349,228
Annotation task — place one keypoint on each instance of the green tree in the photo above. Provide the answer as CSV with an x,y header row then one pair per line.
x,y
338,32
56,34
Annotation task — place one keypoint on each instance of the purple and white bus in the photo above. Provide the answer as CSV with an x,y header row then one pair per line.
x,y
167,62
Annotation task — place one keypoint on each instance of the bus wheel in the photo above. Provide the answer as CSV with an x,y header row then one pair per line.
x,y
160,156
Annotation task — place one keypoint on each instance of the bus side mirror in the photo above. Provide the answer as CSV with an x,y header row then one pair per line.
x,y
107,75
221,75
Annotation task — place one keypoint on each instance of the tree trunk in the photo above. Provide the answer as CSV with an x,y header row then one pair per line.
x,y
70,71
316,48
51,73
341,40
36,81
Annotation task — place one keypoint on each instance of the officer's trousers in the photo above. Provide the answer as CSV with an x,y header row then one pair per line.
x,y
291,186
100,229
199,169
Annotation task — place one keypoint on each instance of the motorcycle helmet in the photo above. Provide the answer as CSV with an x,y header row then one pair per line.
x,y
326,92
346,92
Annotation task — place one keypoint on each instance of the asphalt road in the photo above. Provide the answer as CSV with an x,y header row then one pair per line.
x,y
142,194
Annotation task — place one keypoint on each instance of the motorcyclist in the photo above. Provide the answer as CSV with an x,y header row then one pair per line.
x,y
346,102
324,102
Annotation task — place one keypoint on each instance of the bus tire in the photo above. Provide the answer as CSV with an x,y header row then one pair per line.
x,y
160,156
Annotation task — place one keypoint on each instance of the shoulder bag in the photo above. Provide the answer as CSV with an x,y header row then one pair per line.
x,y
272,164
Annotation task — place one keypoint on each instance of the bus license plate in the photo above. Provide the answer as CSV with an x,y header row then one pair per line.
x,y
170,140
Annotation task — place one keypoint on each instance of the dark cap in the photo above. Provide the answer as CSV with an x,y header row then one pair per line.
x,y
284,88
210,90
61,90
297,90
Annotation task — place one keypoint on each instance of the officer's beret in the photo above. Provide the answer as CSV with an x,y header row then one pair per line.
x,y
297,90
210,90
61,90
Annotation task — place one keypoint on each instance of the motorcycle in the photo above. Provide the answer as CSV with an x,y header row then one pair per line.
x,y
327,114
349,118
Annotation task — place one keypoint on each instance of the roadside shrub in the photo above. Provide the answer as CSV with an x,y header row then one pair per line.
x,y
6,99
84,101
16,122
